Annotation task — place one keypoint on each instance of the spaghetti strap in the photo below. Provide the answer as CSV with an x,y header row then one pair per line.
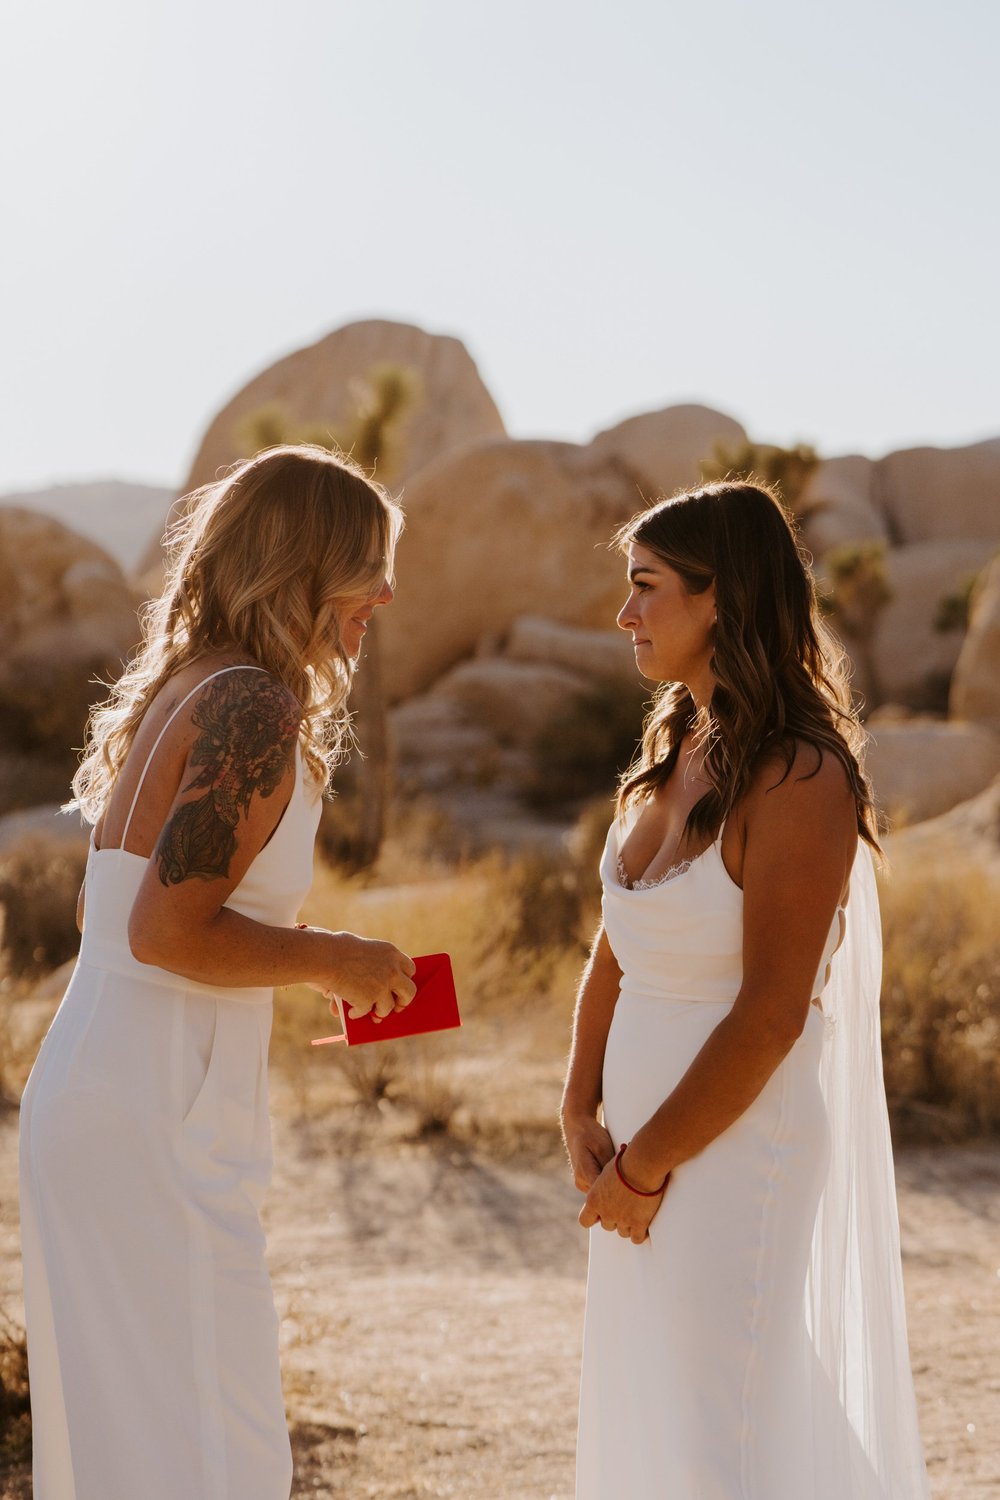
x,y
170,719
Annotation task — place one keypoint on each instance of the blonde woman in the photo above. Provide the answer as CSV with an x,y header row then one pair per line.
x,y
145,1143
724,1110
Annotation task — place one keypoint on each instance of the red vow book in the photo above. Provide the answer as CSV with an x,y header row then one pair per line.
x,y
433,1008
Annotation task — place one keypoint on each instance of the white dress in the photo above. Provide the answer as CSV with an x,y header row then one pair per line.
x,y
145,1149
754,1348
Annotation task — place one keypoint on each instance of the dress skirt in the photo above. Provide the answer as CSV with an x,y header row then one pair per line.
x,y
145,1148
696,1374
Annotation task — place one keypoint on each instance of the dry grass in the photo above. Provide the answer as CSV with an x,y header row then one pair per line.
x,y
941,1000
15,1409
40,880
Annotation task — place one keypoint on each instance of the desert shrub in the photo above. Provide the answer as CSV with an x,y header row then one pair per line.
x,y
15,1406
941,1000
40,880
582,751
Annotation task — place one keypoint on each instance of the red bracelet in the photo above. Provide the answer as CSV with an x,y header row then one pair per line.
x,y
639,1192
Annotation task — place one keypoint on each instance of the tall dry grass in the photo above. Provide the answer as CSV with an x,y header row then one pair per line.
x,y
517,929
941,999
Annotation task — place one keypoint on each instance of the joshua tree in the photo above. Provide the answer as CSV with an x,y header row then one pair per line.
x,y
857,592
373,435
788,469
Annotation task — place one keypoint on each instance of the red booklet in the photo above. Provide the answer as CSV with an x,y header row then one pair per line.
x,y
433,1008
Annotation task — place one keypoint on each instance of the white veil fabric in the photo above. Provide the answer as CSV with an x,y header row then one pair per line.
x,y
864,1409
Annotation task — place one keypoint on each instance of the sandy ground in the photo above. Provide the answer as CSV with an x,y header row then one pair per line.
x,y
431,1299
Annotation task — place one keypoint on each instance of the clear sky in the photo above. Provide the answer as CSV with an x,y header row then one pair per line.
x,y
786,209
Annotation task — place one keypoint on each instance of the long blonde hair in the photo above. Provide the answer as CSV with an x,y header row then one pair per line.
x,y
258,564
781,675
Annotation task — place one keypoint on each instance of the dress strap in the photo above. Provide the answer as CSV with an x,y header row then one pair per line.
x,y
170,719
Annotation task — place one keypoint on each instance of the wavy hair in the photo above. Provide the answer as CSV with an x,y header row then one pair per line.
x,y
781,675
258,563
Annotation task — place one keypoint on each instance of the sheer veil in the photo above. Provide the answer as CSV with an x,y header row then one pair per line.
x,y
865,1419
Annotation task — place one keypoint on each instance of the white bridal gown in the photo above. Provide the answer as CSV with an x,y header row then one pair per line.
x,y
754,1348
145,1148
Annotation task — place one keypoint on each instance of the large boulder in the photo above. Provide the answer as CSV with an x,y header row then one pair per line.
x,y
975,686
513,700
932,494
968,833
839,505
604,654
498,530
914,659
316,385
666,448
67,616
438,746
921,767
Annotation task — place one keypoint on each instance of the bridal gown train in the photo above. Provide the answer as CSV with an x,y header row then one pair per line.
x,y
754,1347
145,1148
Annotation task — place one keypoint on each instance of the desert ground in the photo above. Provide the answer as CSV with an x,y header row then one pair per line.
x,y
431,1295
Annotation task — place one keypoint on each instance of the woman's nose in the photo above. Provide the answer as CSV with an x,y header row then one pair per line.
x,y
626,616
385,594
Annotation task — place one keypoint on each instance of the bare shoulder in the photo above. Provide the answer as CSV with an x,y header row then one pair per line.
x,y
810,778
800,823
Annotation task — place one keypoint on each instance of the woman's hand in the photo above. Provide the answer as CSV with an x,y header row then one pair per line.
x,y
589,1147
615,1207
368,975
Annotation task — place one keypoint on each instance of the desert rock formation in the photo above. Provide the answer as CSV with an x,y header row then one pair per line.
x,y
67,615
314,385
498,530
666,448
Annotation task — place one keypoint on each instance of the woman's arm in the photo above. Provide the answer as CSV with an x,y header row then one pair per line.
x,y
587,1142
237,778
800,840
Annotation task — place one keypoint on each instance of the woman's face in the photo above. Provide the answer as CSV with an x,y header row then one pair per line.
x,y
671,629
353,614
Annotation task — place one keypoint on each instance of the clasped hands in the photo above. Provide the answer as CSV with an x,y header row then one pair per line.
x,y
609,1202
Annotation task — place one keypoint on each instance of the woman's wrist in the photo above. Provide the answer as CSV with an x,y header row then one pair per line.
x,y
575,1110
644,1172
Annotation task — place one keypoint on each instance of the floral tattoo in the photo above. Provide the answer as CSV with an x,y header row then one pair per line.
x,y
249,729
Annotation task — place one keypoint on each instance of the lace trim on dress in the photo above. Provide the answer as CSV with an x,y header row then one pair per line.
x,y
648,885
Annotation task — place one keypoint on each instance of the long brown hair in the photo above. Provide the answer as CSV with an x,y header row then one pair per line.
x,y
259,562
781,675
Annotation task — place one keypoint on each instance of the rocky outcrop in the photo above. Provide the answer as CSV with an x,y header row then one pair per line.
x,y
975,687
839,506
67,616
602,654
314,385
666,448
968,834
914,659
941,494
922,767
495,531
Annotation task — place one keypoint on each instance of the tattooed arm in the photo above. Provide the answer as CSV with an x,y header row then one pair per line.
x,y
237,779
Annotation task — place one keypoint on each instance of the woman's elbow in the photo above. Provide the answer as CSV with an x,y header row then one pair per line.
x,y
778,1026
141,947
147,945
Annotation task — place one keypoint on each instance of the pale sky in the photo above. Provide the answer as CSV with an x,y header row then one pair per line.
x,y
785,209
